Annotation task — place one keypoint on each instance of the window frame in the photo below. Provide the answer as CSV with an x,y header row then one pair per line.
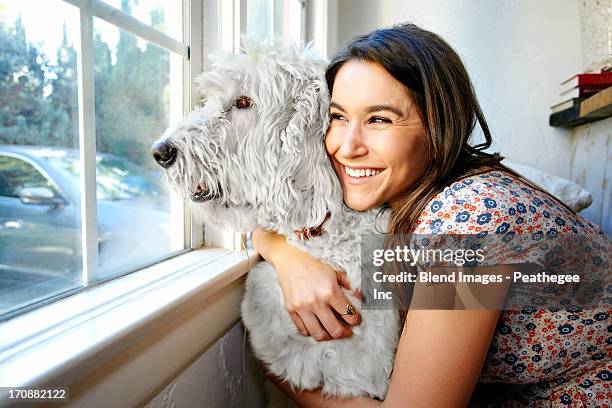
x,y
190,50
201,31
70,337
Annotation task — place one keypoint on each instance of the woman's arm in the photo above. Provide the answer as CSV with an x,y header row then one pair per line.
x,y
439,356
311,288
441,352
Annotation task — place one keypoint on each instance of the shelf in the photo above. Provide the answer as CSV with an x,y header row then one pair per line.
x,y
597,107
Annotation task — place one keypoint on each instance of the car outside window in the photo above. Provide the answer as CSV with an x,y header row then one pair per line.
x,y
16,174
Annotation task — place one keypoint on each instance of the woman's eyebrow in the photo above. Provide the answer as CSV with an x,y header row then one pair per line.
x,y
371,109
333,104
390,108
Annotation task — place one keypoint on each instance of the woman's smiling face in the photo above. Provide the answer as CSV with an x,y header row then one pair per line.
x,y
376,140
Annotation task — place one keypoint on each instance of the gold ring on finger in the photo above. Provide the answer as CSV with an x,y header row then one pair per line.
x,y
350,310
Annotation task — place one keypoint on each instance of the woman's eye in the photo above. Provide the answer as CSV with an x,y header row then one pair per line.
x,y
335,116
243,102
379,119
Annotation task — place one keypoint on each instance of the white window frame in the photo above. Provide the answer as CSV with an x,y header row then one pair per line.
x,y
320,23
108,325
302,4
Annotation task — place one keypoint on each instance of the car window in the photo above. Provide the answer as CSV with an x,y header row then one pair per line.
x,y
116,179
16,174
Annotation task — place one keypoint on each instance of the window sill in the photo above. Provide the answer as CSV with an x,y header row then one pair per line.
x,y
190,301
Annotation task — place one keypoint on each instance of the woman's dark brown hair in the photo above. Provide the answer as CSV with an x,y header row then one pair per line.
x,y
441,88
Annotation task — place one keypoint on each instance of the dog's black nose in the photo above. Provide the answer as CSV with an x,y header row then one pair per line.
x,y
163,153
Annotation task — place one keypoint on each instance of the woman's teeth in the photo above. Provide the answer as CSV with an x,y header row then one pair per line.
x,y
361,172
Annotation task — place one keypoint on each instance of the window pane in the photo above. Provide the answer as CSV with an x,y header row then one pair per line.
x,y
284,22
163,15
137,221
290,22
40,250
259,19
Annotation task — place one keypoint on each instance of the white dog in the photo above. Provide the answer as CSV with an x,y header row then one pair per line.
x,y
253,155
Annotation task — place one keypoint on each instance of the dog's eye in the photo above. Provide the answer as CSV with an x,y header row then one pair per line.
x,y
243,102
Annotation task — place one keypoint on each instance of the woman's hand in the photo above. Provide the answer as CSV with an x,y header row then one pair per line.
x,y
311,288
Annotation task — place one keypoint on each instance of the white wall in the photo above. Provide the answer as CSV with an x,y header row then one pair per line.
x,y
516,53
591,165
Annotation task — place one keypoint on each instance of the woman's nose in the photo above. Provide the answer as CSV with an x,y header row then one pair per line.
x,y
353,143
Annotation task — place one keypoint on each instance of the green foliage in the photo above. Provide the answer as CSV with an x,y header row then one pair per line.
x,y
23,114
39,100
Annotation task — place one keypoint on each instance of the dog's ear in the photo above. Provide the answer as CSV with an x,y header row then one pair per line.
x,y
306,174
310,111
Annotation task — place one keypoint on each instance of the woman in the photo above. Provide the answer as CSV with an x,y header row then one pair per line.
x,y
402,111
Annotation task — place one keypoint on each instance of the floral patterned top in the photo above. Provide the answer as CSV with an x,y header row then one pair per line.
x,y
539,356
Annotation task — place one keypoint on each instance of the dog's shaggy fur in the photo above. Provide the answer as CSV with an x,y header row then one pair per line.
x,y
266,166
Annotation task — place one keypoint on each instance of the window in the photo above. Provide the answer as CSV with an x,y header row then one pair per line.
x,y
87,86
86,89
282,19
62,180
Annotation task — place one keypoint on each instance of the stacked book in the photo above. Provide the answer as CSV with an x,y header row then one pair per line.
x,y
576,91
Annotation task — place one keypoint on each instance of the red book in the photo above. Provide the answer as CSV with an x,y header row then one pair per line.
x,y
603,79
